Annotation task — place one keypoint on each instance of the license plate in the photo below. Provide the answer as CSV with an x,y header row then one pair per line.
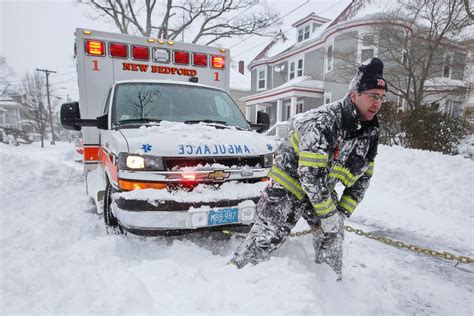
x,y
223,216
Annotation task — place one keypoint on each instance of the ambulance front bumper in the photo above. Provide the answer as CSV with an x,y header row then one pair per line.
x,y
147,217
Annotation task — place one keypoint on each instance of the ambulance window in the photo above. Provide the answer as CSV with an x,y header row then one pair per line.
x,y
222,107
106,107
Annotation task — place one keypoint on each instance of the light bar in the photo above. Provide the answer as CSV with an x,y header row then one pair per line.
x,y
217,62
118,50
161,55
95,48
200,60
140,52
181,57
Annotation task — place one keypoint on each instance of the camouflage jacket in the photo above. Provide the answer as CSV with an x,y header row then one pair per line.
x,y
324,146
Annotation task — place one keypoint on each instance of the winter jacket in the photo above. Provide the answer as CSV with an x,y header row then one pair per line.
x,y
324,146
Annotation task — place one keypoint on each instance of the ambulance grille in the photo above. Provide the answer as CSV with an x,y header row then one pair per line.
x,y
176,163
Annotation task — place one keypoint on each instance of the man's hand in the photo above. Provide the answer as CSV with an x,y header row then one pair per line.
x,y
333,223
327,242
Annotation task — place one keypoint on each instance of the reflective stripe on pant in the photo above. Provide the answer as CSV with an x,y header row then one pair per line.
x,y
278,211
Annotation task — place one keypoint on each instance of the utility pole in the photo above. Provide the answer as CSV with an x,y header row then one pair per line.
x,y
47,72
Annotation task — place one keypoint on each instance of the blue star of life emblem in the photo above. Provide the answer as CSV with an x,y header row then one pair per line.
x,y
270,147
146,148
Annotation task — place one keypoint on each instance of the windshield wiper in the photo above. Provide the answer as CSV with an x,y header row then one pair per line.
x,y
139,121
205,121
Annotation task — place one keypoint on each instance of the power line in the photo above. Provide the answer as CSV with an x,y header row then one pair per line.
x,y
265,43
301,5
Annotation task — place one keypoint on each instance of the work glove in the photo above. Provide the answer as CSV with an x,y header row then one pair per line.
x,y
327,242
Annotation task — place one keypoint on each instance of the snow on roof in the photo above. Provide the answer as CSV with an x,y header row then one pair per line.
x,y
8,102
360,9
303,82
240,81
312,16
444,82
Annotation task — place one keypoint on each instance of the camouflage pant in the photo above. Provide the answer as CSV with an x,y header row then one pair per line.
x,y
278,211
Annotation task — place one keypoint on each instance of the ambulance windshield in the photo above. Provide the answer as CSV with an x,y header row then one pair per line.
x,y
139,102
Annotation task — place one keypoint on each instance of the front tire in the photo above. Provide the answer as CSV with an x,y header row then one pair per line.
x,y
109,218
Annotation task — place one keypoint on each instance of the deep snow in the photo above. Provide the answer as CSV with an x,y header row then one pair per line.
x,y
56,257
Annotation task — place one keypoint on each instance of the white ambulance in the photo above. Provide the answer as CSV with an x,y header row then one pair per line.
x,y
166,149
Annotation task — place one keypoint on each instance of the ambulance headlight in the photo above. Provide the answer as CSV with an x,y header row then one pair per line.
x,y
135,162
267,160
140,162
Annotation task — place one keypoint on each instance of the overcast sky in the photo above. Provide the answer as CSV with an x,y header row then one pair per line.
x,y
40,34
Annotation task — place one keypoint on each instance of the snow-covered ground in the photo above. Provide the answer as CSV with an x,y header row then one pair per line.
x,y
56,257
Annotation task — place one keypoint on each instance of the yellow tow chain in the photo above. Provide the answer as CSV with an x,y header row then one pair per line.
x,y
388,241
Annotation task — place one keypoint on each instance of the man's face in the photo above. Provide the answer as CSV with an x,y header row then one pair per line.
x,y
368,102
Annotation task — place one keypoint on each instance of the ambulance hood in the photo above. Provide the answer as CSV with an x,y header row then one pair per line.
x,y
172,139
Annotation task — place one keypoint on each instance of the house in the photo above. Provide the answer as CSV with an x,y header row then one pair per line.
x,y
239,84
10,115
293,76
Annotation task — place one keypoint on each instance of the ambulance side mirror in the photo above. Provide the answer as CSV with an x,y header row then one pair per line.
x,y
71,117
102,121
263,122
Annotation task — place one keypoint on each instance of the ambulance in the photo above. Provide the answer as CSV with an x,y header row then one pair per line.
x,y
166,149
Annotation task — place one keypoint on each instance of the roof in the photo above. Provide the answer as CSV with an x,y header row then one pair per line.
x,y
279,42
356,10
310,17
300,86
446,83
7,102
240,81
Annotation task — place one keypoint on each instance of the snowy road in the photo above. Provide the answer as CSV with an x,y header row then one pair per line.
x,y
56,258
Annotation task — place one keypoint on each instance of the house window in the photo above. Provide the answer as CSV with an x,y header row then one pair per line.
x,y
367,47
368,40
299,69
455,109
300,35
296,69
447,65
292,71
299,109
303,33
261,79
366,53
306,32
405,58
329,58
327,97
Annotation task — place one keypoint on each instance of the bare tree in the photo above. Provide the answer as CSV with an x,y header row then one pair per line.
x,y
418,47
31,96
204,21
6,72
425,49
468,6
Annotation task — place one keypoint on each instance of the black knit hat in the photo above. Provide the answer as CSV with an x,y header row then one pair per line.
x,y
370,76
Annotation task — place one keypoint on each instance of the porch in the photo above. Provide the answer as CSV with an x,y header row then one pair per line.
x,y
283,102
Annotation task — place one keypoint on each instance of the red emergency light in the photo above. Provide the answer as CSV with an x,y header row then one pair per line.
x,y
118,50
200,60
96,48
188,177
217,62
181,57
140,52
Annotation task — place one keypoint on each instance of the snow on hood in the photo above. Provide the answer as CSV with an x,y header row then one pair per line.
x,y
180,139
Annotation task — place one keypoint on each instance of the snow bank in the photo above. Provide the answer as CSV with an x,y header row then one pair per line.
x,y
56,257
